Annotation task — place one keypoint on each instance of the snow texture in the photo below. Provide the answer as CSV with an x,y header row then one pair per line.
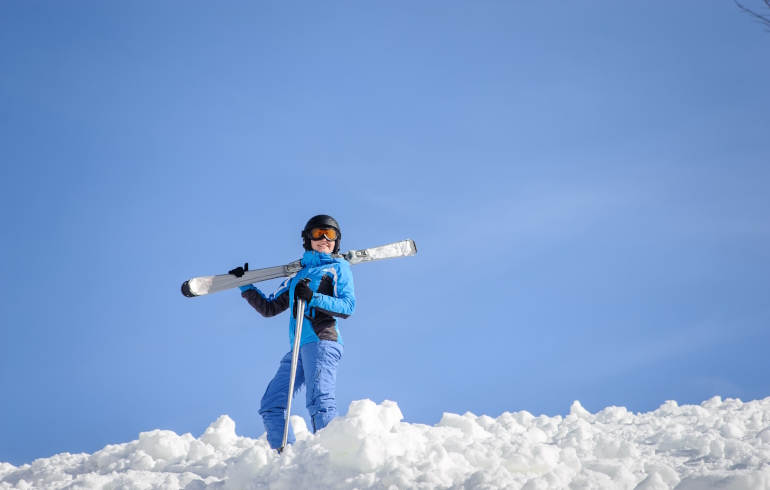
x,y
201,285
394,250
717,445
404,248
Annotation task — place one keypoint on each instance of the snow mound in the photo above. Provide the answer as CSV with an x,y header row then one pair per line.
x,y
717,445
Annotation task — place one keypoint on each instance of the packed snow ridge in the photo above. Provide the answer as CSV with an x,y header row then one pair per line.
x,y
719,444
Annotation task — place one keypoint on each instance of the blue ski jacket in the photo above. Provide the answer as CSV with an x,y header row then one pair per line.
x,y
333,297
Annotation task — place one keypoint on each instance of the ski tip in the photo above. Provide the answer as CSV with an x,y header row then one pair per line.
x,y
186,290
414,245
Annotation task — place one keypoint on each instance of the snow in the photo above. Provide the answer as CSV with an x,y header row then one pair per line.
x,y
201,285
716,445
404,248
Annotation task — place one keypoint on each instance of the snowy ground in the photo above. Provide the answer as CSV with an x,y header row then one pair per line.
x,y
717,445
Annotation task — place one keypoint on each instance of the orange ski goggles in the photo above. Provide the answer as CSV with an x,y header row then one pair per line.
x,y
318,233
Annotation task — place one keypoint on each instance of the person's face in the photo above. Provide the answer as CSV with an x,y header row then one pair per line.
x,y
323,245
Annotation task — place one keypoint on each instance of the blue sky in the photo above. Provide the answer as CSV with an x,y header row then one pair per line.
x,y
587,183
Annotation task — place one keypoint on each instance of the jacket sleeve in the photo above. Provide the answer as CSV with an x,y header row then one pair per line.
x,y
343,301
271,305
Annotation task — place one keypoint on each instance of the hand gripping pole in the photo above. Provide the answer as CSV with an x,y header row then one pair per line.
x,y
294,357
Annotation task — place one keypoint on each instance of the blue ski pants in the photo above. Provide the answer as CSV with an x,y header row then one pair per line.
x,y
316,368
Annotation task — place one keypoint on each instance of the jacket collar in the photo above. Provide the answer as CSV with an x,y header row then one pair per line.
x,y
313,258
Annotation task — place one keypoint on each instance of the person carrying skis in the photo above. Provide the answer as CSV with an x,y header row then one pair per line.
x,y
328,294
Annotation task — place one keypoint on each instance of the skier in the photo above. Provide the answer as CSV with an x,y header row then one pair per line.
x,y
328,294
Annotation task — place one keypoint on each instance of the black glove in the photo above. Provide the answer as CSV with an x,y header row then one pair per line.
x,y
238,271
302,291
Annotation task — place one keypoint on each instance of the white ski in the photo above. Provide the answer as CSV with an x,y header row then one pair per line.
x,y
199,286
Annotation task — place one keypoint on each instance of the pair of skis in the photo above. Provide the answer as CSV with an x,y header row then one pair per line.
x,y
200,286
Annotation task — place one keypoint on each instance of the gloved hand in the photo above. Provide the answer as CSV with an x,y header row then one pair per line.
x,y
238,271
302,291
246,288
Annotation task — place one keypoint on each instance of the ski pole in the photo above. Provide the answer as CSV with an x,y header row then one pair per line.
x,y
294,357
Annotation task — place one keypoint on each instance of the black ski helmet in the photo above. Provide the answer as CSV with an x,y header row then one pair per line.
x,y
321,221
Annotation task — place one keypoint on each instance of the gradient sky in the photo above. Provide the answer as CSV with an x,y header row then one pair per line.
x,y
587,183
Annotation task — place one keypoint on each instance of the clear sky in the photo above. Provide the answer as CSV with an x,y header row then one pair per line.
x,y
587,183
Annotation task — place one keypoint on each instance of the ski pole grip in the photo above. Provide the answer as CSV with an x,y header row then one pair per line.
x,y
304,281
